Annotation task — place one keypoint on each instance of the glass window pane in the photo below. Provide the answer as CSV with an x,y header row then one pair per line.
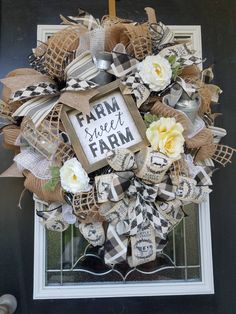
x,y
71,260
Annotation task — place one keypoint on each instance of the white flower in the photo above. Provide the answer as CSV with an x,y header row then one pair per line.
x,y
74,178
156,72
165,136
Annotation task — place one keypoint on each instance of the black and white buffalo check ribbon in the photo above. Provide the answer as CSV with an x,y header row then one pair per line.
x,y
115,246
75,85
83,18
34,90
122,62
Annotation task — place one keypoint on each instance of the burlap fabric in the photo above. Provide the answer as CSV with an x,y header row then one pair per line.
x,y
10,134
37,186
60,49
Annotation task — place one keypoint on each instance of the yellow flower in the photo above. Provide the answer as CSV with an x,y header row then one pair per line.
x,y
166,136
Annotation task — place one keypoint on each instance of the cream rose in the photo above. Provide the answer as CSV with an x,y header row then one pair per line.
x,y
74,179
156,72
165,136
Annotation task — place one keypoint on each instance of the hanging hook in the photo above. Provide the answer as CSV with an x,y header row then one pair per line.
x,y
112,7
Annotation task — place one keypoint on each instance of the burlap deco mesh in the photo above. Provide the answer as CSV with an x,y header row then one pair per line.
x,y
60,47
108,20
204,137
205,95
191,73
114,35
203,140
10,134
6,92
202,144
204,152
148,104
37,186
45,139
223,154
166,111
140,40
86,207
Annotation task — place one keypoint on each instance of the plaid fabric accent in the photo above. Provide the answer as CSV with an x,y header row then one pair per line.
x,y
76,85
40,89
115,247
120,184
207,165
37,108
112,187
202,177
166,190
140,91
83,18
122,64
207,75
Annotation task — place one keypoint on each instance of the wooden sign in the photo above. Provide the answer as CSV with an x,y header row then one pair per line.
x,y
114,122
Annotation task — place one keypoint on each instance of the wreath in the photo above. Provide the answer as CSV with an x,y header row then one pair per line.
x,y
129,205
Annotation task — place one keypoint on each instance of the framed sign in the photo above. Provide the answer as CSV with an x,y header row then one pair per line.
x,y
114,122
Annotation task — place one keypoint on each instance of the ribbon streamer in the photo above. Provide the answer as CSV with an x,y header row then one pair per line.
x,y
144,212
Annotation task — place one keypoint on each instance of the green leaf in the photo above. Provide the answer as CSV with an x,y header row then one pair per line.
x,y
172,59
176,71
55,171
51,184
149,118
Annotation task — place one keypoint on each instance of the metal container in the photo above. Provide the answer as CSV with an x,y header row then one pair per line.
x,y
103,61
189,106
